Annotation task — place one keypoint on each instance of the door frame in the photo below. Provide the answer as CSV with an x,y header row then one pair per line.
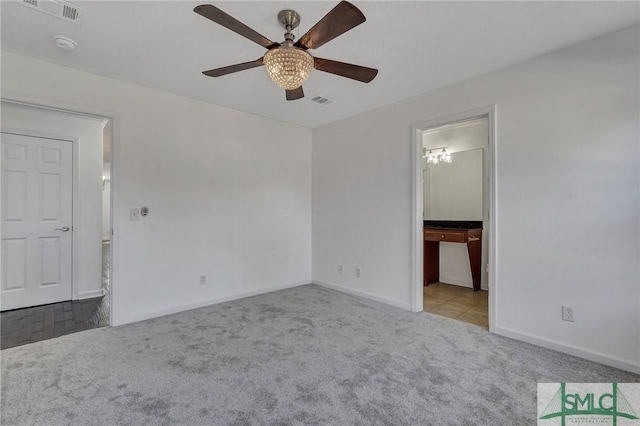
x,y
74,190
488,111
114,123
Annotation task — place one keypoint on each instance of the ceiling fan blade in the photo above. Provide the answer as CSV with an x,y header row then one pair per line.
x,y
218,72
294,94
219,17
339,20
355,72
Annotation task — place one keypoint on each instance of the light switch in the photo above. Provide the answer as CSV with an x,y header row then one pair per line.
x,y
134,214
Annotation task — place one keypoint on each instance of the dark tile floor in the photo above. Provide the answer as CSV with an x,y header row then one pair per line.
x,y
28,325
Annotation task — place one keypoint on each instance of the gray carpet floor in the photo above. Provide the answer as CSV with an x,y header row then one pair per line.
x,y
306,355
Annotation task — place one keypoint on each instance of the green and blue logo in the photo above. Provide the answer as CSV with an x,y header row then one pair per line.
x,y
588,403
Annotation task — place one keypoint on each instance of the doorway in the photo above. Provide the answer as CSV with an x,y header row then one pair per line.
x,y
453,198
52,219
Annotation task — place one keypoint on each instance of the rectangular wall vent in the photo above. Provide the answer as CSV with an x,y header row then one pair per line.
x,y
321,100
70,12
58,8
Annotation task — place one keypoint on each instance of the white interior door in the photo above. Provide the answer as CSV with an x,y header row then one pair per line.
x,y
37,181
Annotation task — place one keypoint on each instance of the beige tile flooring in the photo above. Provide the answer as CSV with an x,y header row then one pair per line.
x,y
457,302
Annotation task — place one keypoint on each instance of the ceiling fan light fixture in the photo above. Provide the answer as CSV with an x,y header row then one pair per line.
x,y
288,66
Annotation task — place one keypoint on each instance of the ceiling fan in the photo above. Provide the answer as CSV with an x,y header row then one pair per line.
x,y
288,64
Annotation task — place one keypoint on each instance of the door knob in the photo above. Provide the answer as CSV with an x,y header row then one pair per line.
x,y
63,229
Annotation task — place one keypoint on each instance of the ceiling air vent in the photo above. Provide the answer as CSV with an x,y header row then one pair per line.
x,y
70,13
321,100
58,8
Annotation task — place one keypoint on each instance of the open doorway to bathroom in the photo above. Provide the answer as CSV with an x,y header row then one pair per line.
x,y
454,170
56,278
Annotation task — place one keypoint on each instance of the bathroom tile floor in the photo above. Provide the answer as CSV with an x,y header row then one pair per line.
x,y
28,325
457,302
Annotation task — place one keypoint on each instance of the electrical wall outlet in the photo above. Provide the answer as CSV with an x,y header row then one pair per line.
x,y
567,313
358,272
341,269
203,279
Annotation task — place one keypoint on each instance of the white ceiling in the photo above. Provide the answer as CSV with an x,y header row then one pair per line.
x,y
417,46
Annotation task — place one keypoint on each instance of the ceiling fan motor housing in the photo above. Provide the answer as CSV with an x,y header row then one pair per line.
x,y
290,19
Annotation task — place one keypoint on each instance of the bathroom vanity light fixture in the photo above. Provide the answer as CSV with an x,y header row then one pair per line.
x,y
431,158
443,157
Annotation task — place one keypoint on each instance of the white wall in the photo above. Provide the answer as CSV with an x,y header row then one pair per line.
x,y
229,192
454,190
464,137
568,216
88,206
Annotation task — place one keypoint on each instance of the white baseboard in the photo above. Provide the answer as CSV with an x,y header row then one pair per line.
x,y
188,307
366,295
461,283
569,349
90,294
